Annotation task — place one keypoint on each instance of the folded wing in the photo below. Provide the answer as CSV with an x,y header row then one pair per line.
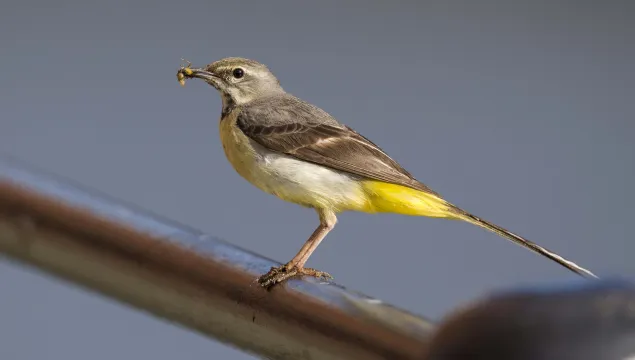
x,y
293,127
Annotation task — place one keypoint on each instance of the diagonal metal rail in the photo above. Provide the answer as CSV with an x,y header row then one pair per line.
x,y
191,278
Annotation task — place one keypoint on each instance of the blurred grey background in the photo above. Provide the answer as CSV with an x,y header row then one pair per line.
x,y
521,112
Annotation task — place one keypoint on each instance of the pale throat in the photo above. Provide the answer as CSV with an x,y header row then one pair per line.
x,y
231,100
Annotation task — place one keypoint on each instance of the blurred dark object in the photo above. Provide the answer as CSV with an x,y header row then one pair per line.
x,y
590,321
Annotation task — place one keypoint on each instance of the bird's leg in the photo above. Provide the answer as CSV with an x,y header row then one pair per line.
x,y
295,267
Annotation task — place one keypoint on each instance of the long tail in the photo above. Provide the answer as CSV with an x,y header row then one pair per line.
x,y
393,198
463,215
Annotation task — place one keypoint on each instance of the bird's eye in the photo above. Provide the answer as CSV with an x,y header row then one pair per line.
x,y
238,73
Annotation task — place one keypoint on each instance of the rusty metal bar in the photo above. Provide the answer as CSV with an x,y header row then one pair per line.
x,y
191,278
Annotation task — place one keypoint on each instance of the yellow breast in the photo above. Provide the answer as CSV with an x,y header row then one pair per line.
x,y
317,186
289,178
238,148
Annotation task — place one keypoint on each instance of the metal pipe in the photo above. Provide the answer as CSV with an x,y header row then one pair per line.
x,y
191,278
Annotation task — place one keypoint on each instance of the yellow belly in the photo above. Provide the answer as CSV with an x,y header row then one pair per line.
x,y
238,149
288,178
317,186
393,198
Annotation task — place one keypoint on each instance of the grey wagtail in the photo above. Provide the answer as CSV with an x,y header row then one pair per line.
x,y
299,153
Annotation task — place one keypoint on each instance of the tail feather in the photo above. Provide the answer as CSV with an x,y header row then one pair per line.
x,y
526,243
393,198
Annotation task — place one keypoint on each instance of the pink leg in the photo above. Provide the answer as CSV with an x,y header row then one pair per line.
x,y
296,265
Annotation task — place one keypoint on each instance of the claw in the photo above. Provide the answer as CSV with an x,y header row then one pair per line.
x,y
279,274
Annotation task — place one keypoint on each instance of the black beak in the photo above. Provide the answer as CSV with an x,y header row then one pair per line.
x,y
190,73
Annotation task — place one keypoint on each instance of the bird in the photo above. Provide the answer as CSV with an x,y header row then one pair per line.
x,y
292,149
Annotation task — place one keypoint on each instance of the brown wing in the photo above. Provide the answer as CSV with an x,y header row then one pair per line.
x,y
305,132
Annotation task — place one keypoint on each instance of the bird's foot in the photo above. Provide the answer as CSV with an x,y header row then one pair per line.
x,y
281,273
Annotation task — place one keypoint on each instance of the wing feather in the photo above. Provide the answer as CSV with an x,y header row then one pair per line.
x,y
291,126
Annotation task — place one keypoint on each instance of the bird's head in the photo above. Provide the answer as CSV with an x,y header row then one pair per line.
x,y
238,80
